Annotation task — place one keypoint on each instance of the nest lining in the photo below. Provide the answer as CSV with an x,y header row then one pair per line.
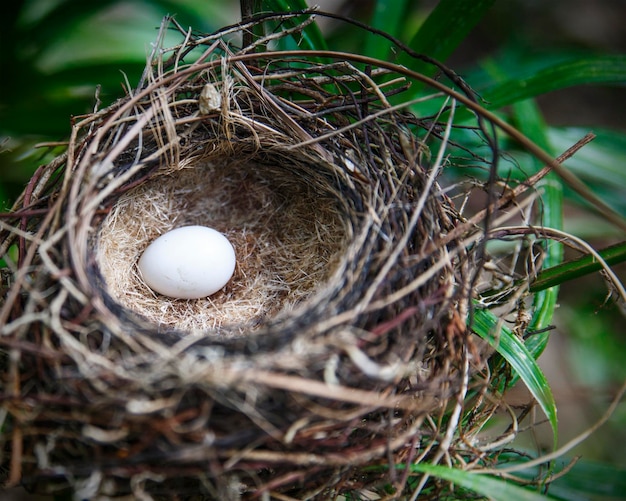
x,y
283,249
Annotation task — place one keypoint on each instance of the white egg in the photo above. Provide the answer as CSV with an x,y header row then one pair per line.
x,y
188,263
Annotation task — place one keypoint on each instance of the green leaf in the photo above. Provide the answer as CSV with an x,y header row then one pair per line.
x,y
513,350
609,69
600,164
491,487
388,16
445,28
583,481
40,25
530,122
312,38
607,154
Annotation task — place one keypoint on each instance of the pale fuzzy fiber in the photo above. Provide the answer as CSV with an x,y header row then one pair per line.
x,y
283,248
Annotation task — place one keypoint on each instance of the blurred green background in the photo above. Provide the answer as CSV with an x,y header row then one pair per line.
x,y
54,53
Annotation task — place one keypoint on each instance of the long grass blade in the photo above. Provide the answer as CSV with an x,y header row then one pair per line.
x,y
513,350
311,37
444,29
609,69
388,16
607,154
485,485
591,480
531,123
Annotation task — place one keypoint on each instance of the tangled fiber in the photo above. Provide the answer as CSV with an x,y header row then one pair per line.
x,y
332,354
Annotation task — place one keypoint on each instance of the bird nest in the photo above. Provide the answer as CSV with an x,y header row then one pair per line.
x,y
321,364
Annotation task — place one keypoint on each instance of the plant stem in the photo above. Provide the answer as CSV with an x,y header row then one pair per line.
x,y
248,9
577,268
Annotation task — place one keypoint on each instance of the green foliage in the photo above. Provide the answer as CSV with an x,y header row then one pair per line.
x,y
579,70
389,17
530,122
513,350
607,154
583,480
591,480
443,30
54,54
311,37
485,485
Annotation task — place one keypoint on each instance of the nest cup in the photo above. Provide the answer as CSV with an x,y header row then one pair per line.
x,y
283,249
339,333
